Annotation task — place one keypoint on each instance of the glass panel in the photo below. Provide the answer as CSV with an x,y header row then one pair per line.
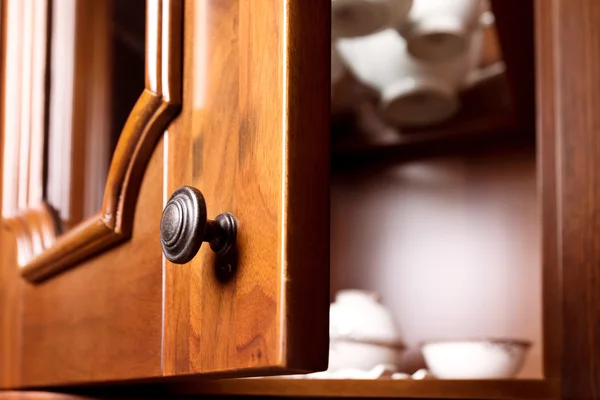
x,y
96,74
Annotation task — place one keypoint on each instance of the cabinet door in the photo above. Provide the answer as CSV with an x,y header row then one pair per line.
x,y
235,105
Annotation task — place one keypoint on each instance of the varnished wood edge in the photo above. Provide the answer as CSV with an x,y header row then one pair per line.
x,y
548,179
156,107
87,238
372,388
306,164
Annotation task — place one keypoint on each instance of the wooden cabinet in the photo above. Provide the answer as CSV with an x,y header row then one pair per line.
x,y
232,106
484,225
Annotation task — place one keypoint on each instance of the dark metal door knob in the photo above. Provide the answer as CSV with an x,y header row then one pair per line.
x,y
184,226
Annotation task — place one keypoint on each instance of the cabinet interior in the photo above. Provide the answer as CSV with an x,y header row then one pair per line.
x,y
451,243
442,221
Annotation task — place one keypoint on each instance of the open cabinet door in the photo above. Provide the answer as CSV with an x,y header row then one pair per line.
x,y
235,109
253,136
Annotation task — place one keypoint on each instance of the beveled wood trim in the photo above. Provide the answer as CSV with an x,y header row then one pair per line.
x,y
155,108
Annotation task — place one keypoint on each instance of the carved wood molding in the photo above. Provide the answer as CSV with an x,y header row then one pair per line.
x,y
42,251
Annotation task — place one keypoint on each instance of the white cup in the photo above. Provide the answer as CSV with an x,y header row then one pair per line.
x,y
412,92
438,30
354,18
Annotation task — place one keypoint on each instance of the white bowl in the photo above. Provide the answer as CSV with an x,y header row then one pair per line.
x,y
358,316
475,359
362,332
362,355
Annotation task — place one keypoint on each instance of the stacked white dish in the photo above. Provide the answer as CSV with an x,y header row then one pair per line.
x,y
418,55
362,333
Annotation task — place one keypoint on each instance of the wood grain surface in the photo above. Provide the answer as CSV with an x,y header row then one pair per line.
x,y
548,186
101,321
35,395
253,137
569,92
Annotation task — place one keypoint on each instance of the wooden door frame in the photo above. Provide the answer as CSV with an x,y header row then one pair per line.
x,y
568,98
43,251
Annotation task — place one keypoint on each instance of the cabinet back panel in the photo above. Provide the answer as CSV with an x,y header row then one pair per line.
x,y
451,244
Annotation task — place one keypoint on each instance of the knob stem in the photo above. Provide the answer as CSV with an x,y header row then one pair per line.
x,y
221,233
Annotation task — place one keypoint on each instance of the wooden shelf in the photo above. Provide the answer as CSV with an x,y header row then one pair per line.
x,y
407,149
486,117
446,389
